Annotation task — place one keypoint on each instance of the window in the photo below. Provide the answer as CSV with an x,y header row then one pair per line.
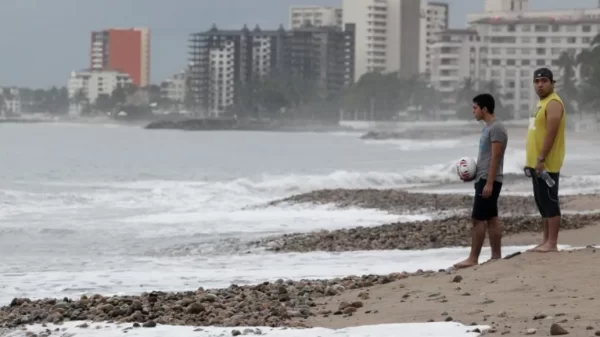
x,y
525,62
540,51
525,28
540,62
571,39
540,39
511,51
510,62
555,39
526,51
495,62
541,28
526,39
586,28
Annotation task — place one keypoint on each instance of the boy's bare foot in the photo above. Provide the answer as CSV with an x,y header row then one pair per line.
x,y
536,247
466,264
545,248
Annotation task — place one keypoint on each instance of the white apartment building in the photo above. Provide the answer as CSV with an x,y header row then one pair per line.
x,y
174,87
222,75
435,22
395,35
506,44
11,98
388,34
95,82
318,16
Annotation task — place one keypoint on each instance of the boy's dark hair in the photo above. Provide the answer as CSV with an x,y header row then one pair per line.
x,y
485,101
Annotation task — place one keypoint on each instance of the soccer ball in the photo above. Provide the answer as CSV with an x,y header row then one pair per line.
x,y
466,168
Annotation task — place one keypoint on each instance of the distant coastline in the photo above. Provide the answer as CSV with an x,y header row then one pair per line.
x,y
221,124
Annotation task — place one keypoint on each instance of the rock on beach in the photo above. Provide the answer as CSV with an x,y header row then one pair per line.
x,y
450,232
274,304
399,201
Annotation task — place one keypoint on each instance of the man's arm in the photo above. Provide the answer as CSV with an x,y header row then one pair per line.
x,y
554,114
499,137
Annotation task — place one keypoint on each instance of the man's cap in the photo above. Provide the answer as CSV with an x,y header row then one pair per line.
x,y
543,73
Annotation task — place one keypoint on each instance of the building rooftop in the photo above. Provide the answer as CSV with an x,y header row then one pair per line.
x,y
534,20
456,31
214,31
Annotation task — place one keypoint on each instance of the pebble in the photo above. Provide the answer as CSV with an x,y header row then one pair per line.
x,y
274,304
557,330
449,232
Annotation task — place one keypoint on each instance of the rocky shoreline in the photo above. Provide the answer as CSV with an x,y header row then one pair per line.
x,y
449,232
274,304
401,202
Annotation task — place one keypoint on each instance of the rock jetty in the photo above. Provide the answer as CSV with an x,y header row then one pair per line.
x,y
450,232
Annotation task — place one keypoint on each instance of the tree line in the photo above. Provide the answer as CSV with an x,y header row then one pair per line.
x,y
581,94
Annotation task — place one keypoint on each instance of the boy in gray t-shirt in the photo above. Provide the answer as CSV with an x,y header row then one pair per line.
x,y
488,181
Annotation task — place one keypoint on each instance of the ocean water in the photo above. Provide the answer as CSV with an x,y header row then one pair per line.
x,y
113,209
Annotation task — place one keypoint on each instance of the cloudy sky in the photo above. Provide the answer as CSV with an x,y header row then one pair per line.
x,y
41,41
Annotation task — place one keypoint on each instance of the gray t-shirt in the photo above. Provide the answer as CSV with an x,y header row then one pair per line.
x,y
494,132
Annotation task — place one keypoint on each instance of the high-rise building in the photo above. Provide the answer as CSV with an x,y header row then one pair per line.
x,y
224,63
124,50
318,16
391,35
388,35
321,55
505,44
435,21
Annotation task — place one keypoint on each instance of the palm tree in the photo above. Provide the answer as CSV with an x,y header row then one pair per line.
x,y
568,65
587,57
467,91
1,102
589,68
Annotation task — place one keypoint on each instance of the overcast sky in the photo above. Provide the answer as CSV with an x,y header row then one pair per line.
x,y
42,41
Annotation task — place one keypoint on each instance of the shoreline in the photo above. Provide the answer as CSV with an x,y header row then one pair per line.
x,y
432,295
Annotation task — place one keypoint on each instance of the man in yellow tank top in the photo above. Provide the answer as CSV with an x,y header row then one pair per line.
x,y
545,152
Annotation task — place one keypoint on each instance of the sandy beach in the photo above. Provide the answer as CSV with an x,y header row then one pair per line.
x,y
528,291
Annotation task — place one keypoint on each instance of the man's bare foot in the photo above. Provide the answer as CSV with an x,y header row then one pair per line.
x,y
536,247
545,248
466,264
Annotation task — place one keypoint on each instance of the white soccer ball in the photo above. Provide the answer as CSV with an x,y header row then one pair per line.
x,y
466,168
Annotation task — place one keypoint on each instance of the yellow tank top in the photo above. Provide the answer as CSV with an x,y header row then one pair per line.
x,y
536,135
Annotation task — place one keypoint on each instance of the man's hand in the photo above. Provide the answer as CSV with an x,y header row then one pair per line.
x,y
539,167
487,190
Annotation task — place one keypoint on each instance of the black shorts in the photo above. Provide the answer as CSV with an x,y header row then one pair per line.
x,y
485,209
546,197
